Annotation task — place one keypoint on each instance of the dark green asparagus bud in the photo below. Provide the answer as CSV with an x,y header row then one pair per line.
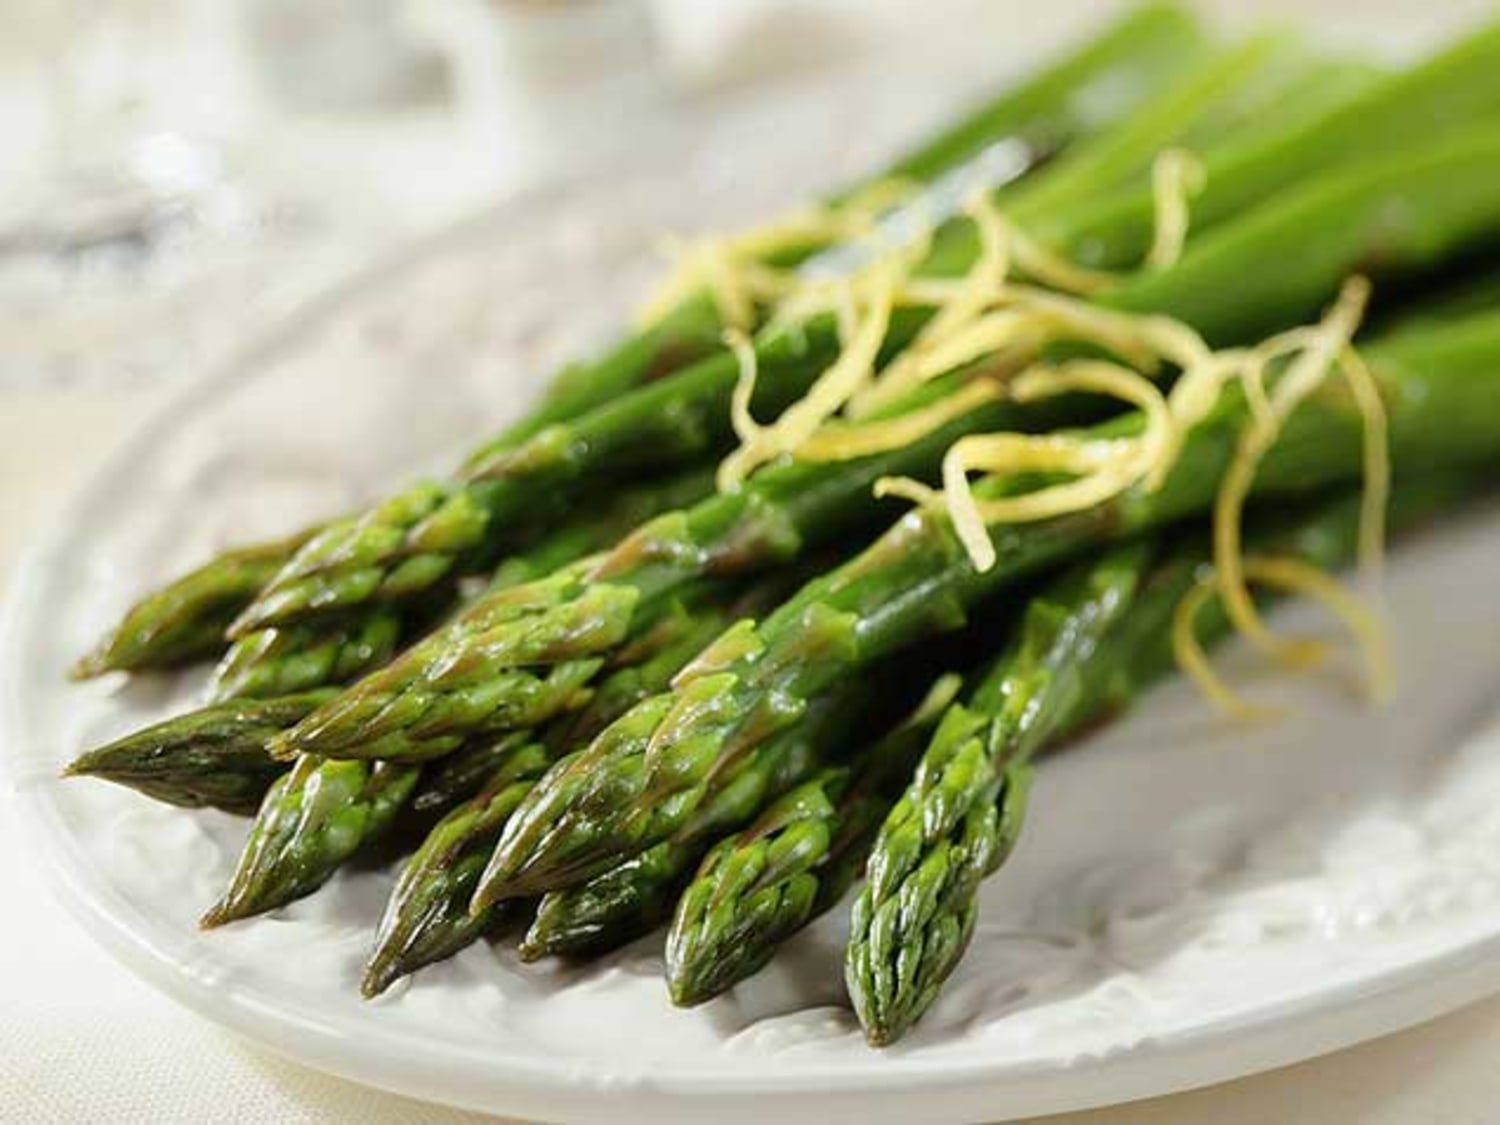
x,y
955,821
315,817
892,983
215,757
758,887
273,662
407,731
185,620
611,909
427,918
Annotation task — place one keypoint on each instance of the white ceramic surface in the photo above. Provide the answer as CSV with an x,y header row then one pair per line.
x,y
1190,901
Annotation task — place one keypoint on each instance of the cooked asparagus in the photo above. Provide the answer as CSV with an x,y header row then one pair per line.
x,y
961,813
419,537
650,773
215,757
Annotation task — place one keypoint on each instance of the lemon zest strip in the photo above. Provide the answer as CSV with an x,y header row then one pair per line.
x,y
1296,576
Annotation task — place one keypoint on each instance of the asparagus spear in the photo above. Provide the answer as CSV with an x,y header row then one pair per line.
x,y
186,619
428,916
298,657
1444,92
423,535
643,778
960,814
211,758
633,897
756,888
1410,212
314,817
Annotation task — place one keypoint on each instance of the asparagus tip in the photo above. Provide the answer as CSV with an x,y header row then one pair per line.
x,y
382,970
90,665
248,621
683,994
490,894
283,747
531,951
880,1035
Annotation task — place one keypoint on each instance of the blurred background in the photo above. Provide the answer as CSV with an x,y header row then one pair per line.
x,y
190,168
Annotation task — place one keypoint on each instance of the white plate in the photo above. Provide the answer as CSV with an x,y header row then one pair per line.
x,y
1190,902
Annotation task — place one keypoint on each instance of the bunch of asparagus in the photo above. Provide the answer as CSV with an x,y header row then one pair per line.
x,y
716,709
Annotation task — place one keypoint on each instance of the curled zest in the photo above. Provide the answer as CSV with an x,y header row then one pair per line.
x,y
1293,576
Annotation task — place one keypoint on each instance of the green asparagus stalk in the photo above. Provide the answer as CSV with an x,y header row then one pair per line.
x,y
211,758
314,818
1411,212
756,888
637,895
422,536
1444,92
647,775
185,620
272,662
961,813
428,917
299,657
